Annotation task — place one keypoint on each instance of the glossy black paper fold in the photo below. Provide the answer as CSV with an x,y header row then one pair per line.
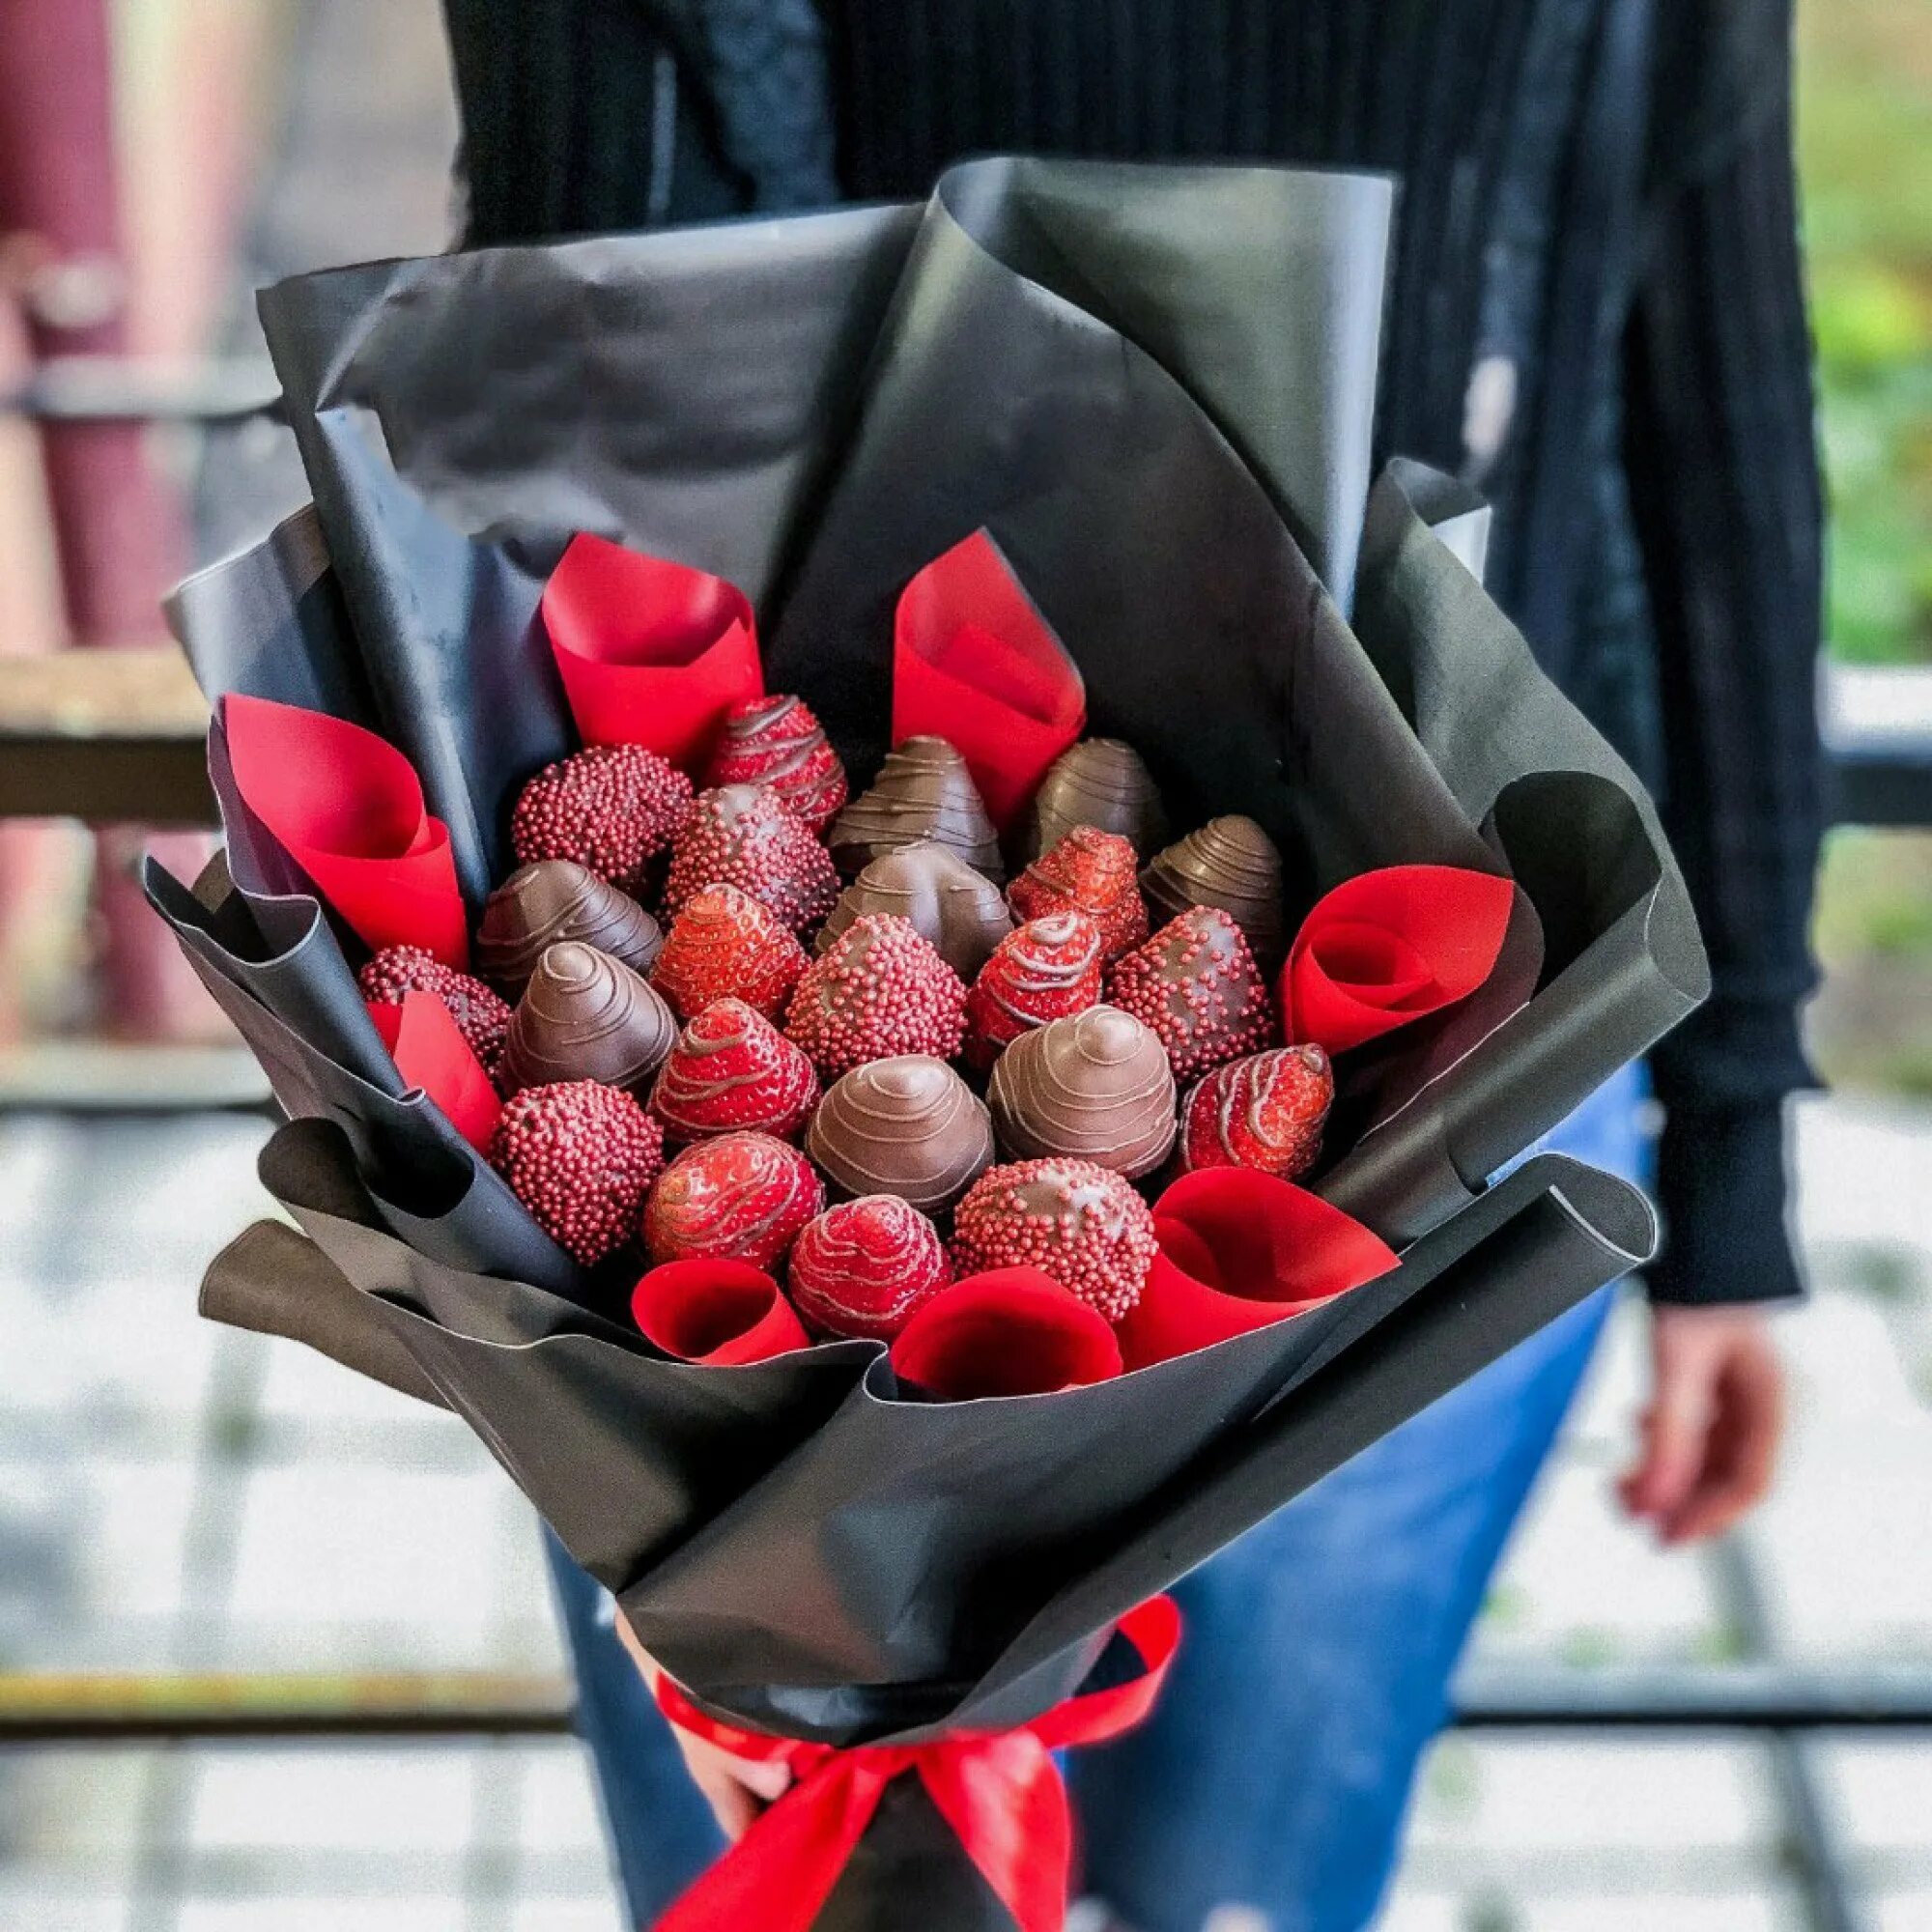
x,y
1155,388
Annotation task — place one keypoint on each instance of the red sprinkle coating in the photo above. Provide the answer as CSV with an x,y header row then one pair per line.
x,y
1081,1224
611,807
1091,871
1041,971
733,1070
741,1197
726,945
581,1156
776,741
879,989
1264,1112
742,836
864,1266
481,1016
1197,986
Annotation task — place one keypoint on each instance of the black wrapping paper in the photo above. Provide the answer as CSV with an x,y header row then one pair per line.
x,y
1155,387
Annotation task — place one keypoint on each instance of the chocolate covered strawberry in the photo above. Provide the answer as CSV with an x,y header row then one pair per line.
x,y
481,1016
1091,871
1045,970
741,1197
581,1156
879,989
732,1072
725,943
1264,1111
1083,1225
775,740
863,1266
742,836
1197,986
613,808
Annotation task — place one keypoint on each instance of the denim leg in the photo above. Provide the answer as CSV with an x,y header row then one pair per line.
x,y
661,1830
1277,1770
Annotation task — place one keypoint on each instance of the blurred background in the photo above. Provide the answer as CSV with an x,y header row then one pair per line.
x,y
274,1647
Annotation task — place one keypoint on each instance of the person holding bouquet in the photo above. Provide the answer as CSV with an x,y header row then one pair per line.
x,y
1596,319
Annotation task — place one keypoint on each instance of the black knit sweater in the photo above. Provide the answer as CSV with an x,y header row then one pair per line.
x,y
1596,315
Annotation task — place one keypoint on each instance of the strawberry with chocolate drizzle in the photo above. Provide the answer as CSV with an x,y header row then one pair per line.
x,y
863,1266
730,1071
1264,1112
1045,970
740,1197
1091,871
726,945
776,741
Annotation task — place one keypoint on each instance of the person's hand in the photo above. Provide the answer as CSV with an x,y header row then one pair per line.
x,y
1711,1429
736,1788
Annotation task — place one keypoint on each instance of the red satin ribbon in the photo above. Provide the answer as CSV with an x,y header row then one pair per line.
x,y
1001,1793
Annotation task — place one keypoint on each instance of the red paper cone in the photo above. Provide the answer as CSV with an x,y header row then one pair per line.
x,y
431,1053
1240,1249
349,808
975,664
1009,1331
722,1313
1388,947
651,652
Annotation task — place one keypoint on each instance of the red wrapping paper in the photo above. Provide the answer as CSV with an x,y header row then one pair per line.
x,y
1388,947
1001,1793
1240,1249
975,664
1009,1331
651,652
722,1314
347,807
431,1053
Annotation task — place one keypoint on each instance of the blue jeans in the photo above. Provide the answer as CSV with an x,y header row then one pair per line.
x,y
1276,1769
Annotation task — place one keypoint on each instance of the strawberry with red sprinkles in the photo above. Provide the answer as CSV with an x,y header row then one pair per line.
x,y
880,989
776,741
1083,1225
613,808
1091,871
582,1158
1264,1112
481,1016
741,1197
1197,986
726,945
1045,970
862,1268
741,834
732,1070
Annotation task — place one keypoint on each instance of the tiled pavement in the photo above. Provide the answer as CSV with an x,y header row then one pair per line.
x,y
174,1496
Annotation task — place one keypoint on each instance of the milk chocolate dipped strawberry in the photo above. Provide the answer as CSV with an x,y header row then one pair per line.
x,y
1095,1086
581,1156
742,836
613,808
1091,871
908,1126
1098,781
924,792
732,1072
1083,1225
880,989
962,912
1196,984
775,740
864,1266
1230,862
480,1016
726,945
1046,969
1263,1111
740,1197
585,1017
555,900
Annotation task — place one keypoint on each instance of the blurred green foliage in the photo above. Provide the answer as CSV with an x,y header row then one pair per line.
x,y
1864,121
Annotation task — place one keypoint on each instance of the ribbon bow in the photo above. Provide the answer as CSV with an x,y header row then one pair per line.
x,y
1000,1791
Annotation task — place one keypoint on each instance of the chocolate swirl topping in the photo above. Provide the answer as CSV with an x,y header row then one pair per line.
x,y
960,912
923,790
908,1126
556,899
585,1017
1230,862
1095,1086
1098,781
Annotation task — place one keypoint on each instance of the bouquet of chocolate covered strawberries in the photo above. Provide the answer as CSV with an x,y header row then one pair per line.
x,y
903,925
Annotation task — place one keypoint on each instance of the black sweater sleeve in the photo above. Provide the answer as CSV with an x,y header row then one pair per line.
x,y
1723,477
